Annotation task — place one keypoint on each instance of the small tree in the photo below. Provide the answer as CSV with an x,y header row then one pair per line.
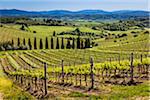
x,y
62,43
18,42
57,45
34,31
77,30
52,43
46,43
29,44
41,44
68,44
22,27
73,43
35,44
78,42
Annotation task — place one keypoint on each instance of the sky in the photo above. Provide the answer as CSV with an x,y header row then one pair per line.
x,y
74,5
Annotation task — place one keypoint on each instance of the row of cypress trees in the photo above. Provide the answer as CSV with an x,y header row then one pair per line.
x,y
80,44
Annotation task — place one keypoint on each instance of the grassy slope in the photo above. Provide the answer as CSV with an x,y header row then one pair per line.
x,y
139,43
11,91
9,32
48,30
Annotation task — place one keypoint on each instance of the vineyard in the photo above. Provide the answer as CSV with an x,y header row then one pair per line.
x,y
44,58
35,71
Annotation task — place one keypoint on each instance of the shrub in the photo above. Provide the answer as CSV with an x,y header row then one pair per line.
x,y
94,28
124,34
68,46
22,28
115,40
133,32
34,31
96,44
146,32
135,35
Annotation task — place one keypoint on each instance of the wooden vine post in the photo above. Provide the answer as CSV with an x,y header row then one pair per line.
x,y
131,68
91,73
45,78
62,71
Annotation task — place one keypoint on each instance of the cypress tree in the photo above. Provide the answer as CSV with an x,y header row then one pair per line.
x,y
18,42
88,43
24,41
82,45
85,43
57,45
73,43
29,44
54,33
35,44
46,43
62,43
68,44
12,42
41,44
52,43
78,42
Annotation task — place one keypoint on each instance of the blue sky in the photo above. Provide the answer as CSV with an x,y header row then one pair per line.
x,y
40,5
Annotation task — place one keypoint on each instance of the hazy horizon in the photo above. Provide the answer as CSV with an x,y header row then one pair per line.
x,y
73,10
46,5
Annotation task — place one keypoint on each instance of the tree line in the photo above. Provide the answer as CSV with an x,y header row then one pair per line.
x,y
59,43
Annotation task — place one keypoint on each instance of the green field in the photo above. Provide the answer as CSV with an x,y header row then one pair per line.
x,y
140,42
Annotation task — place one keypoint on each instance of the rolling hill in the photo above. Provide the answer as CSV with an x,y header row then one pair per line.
x,y
83,14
